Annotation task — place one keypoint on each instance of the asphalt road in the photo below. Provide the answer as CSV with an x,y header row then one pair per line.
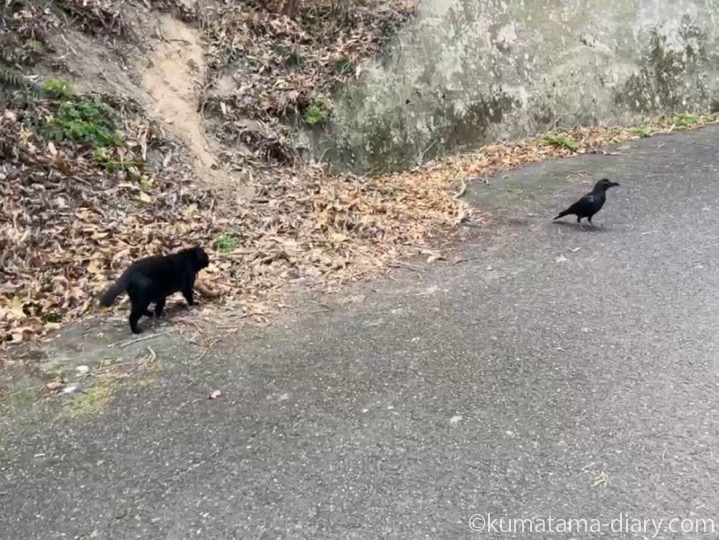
x,y
554,373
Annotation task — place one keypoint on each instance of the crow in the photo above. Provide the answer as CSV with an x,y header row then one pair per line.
x,y
591,203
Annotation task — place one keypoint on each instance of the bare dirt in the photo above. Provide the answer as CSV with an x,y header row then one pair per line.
x,y
172,78
167,75
90,66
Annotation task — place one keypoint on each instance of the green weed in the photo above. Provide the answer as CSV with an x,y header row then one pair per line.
x,y
344,66
52,317
85,121
34,46
58,88
100,158
643,132
686,120
227,243
91,401
561,140
316,113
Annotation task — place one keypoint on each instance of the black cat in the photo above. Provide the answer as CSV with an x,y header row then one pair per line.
x,y
153,279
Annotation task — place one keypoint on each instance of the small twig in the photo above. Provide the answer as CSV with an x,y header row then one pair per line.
x,y
554,124
466,259
110,367
158,32
68,45
197,327
124,344
461,191
144,361
408,267
30,389
207,349
404,265
463,213
420,160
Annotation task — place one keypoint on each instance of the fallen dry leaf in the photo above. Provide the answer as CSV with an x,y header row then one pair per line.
x,y
54,386
16,308
215,394
144,197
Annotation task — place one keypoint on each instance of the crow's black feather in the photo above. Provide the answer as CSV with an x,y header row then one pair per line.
x,y
589,204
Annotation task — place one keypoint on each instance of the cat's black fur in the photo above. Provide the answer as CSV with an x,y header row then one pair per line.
x,y
153,279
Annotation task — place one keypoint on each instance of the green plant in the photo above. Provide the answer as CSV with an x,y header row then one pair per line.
x,y
34,46
686,120
643,132
13,79
316,113
53,317
227,243
344,66
100,157
231,55
83,120
561,140
58,88
93,400
291,57
144,184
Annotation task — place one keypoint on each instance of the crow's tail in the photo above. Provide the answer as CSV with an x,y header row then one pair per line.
x,y
561,214
108,297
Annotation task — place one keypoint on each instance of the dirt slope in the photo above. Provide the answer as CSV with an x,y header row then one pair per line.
x,y
176,129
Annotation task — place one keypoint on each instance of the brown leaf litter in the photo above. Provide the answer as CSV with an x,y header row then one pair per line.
x,y
71,218
494,158
277,67
67,229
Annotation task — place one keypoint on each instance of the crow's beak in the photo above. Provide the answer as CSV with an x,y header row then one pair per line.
x,y
614,184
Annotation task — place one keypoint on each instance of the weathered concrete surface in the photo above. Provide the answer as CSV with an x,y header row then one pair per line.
x,y
468,72
504,384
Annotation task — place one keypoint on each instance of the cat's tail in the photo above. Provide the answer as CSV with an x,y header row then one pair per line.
x,y
108,297
138,285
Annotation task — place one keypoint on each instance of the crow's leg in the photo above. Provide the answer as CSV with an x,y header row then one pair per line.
x,y
601,225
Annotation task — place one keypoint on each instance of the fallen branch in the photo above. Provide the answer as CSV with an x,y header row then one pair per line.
x,y
127,343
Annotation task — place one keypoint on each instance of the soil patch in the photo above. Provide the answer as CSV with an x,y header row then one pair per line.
x,y
173,77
